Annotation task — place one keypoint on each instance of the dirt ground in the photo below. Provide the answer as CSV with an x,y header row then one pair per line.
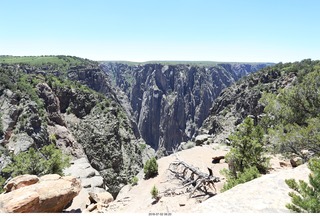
x,y
174,198
138,198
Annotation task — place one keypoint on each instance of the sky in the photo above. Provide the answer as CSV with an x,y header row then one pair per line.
x,y
146,30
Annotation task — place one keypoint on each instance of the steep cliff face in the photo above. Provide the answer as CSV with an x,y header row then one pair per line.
x,y
41,105
242,99
170,102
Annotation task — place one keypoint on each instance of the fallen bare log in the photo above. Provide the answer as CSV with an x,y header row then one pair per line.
x,y
190,175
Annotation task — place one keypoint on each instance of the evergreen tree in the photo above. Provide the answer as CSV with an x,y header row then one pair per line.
x,y
306,197
151,168
246,158
292,117
246,148
154,192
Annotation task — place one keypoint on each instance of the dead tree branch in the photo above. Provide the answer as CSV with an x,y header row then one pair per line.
x,y
190,175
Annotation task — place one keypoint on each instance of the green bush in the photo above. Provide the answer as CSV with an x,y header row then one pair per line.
x,y
246,158
292,116
134,181
154,192
305,199
247,175
150,168
48,160
247,149
143,146
53,138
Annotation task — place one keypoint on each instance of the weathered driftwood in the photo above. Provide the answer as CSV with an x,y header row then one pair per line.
x,y
190,175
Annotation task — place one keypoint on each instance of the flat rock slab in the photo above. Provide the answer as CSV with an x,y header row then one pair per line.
x,y
267,194
81,168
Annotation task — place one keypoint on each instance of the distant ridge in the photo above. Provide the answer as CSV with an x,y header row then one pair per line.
x,y
192,63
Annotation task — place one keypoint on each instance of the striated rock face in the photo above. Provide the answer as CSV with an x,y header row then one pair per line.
x,y
52,103
23,122
242,99
109,146
170,102
50,195
75,108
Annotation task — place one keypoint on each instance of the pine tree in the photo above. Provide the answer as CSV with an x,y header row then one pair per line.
x,y
246,158
154,192
150,168
247,150
306,198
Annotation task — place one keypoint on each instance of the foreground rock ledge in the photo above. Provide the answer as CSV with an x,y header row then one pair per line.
x,y
51,195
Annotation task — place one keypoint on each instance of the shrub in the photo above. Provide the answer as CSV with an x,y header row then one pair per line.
x,y
246,158
246,148
154,192
306,196
53,138
150,168
143,146
247,175
49,160
134,181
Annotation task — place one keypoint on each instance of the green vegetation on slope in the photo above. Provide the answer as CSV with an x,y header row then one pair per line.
x,y
47,160
49,64
289,125
246,158
44,60
292,117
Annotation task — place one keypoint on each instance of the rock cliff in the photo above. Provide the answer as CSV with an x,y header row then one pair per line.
x,y
170,102
242,99
73,106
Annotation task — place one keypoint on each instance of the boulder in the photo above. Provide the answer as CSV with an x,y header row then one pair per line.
x,y
48,196
200,139
20,181
296,161
284,164
104,197
80,202
90,177
95,181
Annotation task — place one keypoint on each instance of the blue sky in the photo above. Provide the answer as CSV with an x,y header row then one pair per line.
x,y
143,30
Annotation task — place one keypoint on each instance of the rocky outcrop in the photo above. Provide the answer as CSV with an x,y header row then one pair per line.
x,y
242,99
90,178
267,194
52,103
109,145
103,197
50,195
170,102
75,108
23,122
